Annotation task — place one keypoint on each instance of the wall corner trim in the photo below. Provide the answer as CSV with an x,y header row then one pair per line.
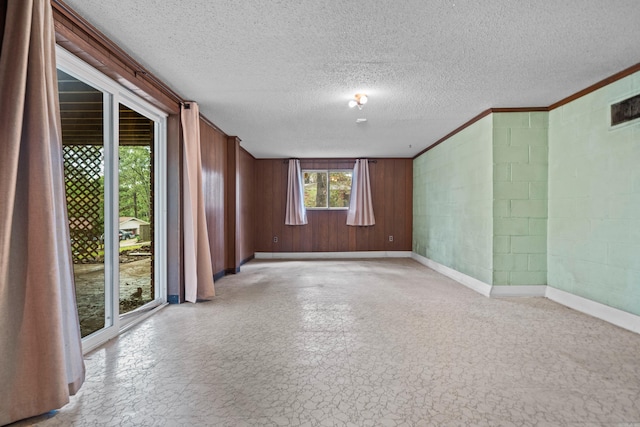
x,y
468,281
609,314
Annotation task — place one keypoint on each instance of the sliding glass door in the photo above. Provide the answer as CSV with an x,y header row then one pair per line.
x,y
82,111
113,145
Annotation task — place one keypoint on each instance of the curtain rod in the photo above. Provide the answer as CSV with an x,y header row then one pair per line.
x,y
331,161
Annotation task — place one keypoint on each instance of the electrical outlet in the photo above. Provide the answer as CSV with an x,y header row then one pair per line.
x,y
391,238
275,239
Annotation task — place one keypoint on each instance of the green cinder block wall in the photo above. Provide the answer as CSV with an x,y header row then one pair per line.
x,y
452,202
594,200
480,200
537,198
520,166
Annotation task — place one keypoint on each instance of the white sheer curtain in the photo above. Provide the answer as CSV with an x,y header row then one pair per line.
x,y
198,271
296,213
360,204
40,349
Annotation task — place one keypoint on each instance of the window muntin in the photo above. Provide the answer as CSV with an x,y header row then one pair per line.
x,y
327,188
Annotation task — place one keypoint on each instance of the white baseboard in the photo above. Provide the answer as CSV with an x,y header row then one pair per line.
x,y
333,255
604,312
598,310
461,278
518,291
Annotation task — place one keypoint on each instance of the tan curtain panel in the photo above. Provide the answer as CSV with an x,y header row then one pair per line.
x,y
296,214
360,204
40,349
198,271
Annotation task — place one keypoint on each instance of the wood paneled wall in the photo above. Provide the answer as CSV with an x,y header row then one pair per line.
x,y
213,148
228,180
326,231
246,205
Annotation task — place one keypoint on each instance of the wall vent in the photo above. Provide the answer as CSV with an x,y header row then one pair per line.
x,y
625,111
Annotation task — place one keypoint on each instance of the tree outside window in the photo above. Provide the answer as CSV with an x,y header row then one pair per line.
x,y
327,189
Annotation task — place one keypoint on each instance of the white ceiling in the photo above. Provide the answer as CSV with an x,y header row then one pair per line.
x,y
278,74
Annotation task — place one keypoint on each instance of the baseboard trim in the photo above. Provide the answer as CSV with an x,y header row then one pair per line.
x,y
468,281
333,255
518,291
598,310
609,314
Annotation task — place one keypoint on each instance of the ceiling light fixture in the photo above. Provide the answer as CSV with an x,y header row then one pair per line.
x,y
359,100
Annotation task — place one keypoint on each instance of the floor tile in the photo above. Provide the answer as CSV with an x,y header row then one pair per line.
x,y
385,342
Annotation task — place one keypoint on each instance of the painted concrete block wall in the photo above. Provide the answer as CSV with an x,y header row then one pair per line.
x,y
452,202
594,200
520,156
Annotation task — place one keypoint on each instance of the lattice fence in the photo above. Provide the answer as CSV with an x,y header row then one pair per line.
x,y
85,201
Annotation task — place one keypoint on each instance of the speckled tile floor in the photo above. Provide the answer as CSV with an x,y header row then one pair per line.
x,y
360,343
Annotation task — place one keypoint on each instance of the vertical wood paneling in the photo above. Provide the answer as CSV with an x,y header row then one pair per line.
x,y
391,218
208,179
408,205
230,204
213,148
246,194
382,172
233,202
395,197
327,231
263,204
279,193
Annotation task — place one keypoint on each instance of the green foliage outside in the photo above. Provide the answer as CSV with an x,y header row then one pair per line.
x,y
324,189
135,182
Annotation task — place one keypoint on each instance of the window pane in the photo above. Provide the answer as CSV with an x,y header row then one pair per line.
x,y
135,230
339,189
315,189
82,117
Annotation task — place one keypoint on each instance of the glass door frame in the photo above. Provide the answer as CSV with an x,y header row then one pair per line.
x,y
113,95
160,202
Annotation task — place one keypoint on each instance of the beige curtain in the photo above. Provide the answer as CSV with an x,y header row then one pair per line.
x,y
198,271
296,213
360,204
40,349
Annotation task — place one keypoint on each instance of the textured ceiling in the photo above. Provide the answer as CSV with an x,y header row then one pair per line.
x,y
278,74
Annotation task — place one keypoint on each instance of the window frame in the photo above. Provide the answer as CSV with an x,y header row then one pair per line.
x,y
327,171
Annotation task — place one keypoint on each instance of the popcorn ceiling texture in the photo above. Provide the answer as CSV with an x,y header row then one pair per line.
x,y
279,74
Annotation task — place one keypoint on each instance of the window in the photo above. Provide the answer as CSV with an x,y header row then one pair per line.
x,y
327,189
